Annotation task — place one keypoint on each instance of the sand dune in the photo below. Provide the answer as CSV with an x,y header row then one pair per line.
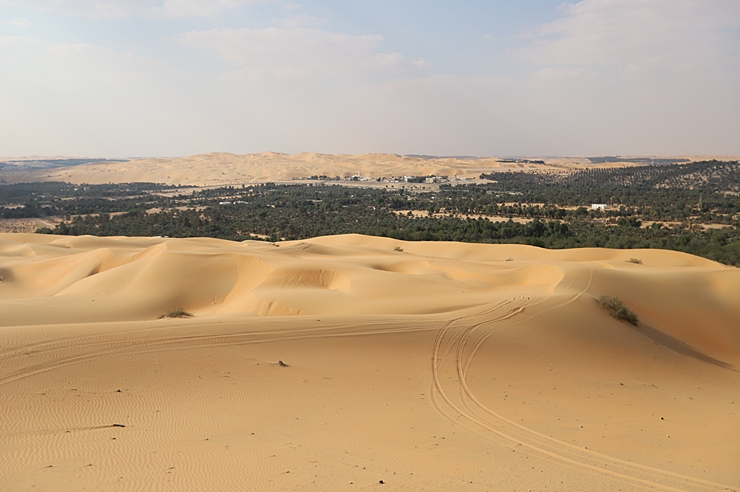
x,y
217,169
222,168
435,366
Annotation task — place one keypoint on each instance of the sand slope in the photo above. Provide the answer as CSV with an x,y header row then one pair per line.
x,y
435,366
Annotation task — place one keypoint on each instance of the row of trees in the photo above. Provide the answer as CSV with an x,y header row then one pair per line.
x,y
551,206
246,222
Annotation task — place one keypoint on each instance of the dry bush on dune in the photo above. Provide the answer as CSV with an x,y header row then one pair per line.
x,y
616,309
636,261
177,313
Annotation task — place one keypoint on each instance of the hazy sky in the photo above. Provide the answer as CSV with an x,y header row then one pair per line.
x,y
122,78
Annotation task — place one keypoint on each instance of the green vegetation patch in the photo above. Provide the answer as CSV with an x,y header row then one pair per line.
x,y
693,208
614,306
177,313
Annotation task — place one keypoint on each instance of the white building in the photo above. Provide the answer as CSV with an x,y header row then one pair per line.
x,y
598,206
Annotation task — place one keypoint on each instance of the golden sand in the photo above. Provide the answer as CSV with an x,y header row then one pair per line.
x,y
340,362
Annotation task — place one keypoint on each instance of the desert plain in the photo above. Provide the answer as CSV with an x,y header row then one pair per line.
x,y
223,169
362,363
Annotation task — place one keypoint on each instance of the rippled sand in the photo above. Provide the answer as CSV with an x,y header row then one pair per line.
x,y
312,364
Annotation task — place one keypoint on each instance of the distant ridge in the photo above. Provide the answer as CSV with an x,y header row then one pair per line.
x,y
52,163
432,157
223,168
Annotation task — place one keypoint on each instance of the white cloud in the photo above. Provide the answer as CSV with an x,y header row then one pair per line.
x,y
301,20
82,99
652,76
668,34
560,73
194,8
113,9
19,22
607,77
78,99
298,52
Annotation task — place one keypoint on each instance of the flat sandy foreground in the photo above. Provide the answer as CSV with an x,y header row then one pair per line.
x,y
340,362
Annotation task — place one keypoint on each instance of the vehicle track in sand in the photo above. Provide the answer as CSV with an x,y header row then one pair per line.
x,y
454,349
32,359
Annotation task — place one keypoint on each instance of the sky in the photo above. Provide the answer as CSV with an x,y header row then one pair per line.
x,y
155,78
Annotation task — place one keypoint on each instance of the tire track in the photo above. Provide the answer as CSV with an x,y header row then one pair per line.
x,y
110,348
469,407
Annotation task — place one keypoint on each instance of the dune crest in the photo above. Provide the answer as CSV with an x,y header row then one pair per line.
x,y
133,279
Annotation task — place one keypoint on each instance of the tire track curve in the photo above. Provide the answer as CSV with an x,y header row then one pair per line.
x,y
463,337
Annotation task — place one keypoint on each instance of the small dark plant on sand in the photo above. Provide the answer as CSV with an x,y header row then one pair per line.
x,y
177,313
616,309
636,261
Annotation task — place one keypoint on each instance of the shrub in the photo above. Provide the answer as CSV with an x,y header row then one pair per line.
x,y
177,313
636,261
398,248
614,306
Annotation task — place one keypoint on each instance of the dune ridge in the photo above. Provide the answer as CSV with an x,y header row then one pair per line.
x,y
312,364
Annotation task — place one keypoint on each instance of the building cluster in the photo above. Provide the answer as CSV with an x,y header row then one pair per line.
x,y
388,179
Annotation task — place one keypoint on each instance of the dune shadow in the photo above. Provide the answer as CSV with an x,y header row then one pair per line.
x,y
678,346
